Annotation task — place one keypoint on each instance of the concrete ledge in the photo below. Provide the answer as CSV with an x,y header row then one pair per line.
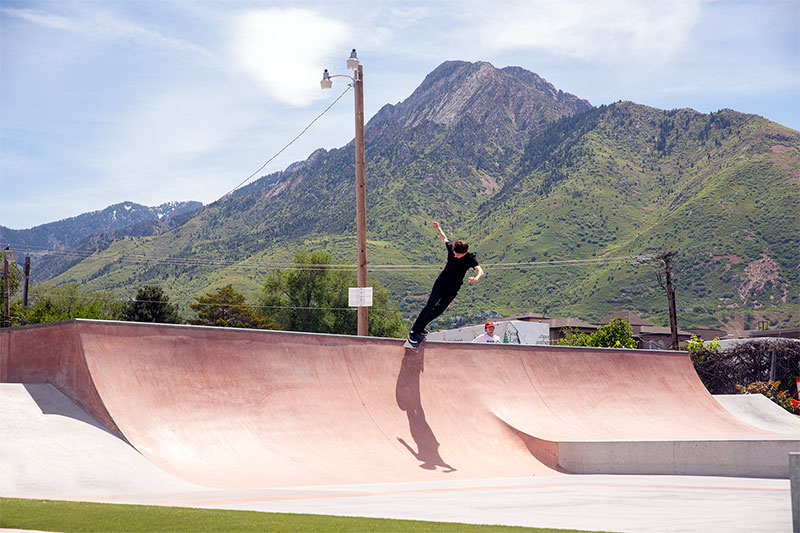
x,y
746,457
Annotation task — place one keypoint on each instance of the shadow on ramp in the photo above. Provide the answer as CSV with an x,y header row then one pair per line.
x,y
52,401
407,392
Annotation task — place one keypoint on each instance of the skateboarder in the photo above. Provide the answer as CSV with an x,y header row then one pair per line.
x,y
445,289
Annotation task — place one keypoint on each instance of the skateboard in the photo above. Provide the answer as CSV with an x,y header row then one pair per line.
x,y
413,346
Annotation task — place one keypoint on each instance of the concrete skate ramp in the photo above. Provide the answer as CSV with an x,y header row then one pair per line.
x,y
51,448
248,408
760,412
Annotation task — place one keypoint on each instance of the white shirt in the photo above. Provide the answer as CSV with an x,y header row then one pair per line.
x,y
485,337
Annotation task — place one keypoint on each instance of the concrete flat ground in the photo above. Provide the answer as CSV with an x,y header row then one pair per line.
x,y
602,502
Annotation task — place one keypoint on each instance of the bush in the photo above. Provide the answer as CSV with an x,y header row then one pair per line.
x,y
617,334
226,308
67,302
731,371
771,390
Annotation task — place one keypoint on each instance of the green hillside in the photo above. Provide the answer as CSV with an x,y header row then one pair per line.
x,y
533,178
622,180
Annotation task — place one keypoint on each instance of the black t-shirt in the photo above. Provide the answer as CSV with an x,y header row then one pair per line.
x,y
454,270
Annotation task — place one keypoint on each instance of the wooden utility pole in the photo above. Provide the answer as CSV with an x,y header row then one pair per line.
x,y
26,278
361,189
673,318
361,195
6,289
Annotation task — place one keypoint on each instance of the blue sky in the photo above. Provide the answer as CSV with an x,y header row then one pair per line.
x,y
103,101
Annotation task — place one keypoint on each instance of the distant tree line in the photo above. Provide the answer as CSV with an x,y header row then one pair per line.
x,y
312,297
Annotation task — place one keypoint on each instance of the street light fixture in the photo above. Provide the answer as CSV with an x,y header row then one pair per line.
x,y
326,82
352,61
361,191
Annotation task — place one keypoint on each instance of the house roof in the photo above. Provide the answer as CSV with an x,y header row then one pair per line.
x,y
658,330
790,333
527,316
632,318
568,323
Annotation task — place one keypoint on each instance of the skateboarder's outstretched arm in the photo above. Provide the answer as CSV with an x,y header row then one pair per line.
x,y
477,276
441,233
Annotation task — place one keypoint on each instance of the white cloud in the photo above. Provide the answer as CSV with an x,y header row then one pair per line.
x,y
167,132
408,16
287,49
42,18
606,31
104,25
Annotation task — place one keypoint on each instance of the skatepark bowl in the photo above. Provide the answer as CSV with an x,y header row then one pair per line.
x,y
546,436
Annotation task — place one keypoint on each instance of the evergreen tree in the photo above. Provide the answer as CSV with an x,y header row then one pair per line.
x,y
151,305
227,308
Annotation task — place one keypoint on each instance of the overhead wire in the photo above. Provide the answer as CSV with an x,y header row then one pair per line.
x,y
82,254
279,152
255,264
100,298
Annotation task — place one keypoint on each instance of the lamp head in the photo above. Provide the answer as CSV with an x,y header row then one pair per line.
x,y
326,82
352,61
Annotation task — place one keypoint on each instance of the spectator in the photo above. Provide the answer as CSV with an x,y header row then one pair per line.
x,y
489,336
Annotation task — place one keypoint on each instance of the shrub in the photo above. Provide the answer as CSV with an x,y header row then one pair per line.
x,y
729,371
617,334
770,389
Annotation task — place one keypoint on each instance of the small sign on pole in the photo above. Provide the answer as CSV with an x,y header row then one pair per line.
x,y
359,297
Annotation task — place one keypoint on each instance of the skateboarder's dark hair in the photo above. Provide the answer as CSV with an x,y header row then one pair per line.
x,y
460,247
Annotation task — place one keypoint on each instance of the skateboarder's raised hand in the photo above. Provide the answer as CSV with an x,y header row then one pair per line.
x,y
441,233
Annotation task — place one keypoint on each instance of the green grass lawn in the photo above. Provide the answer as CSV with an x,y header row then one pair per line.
x,y
50,515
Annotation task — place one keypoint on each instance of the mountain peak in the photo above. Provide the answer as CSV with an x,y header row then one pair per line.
x,y
456,90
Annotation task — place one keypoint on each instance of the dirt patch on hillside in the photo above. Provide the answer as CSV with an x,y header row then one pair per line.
x,y
734,259
757,274
778,148
488,183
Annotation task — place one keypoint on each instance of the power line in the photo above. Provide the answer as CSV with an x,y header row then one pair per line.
x,y
248,178
253,264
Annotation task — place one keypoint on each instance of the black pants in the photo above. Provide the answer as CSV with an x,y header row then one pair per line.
x,y
440,298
